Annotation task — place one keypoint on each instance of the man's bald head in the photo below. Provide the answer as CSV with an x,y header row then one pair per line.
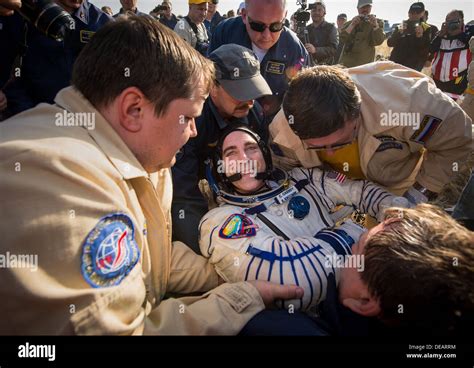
x,y
280,3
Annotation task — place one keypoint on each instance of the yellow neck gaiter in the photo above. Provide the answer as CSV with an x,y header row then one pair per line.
x,y
345,160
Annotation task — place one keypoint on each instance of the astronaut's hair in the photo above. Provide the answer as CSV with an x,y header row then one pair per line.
x,y
140,52
421,270
320,100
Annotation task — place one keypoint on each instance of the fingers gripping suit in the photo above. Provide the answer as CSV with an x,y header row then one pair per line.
x,y
286,239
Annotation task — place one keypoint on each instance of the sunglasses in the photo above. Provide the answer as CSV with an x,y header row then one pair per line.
x,y
333,147
261,27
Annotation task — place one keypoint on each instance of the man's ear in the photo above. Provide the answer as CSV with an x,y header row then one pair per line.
x,y
131,103
366,307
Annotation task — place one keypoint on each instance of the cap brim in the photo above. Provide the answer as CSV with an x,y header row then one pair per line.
x,y
247,89
363,4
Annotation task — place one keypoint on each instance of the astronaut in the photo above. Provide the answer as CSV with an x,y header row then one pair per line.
x,y
277,226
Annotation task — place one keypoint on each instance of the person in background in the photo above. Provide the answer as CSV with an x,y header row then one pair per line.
x,y
129,7
280,53
192,29
323,37
213,17
35,67
166,15
360,36
452,55
341,20
411,42
107,10
468,101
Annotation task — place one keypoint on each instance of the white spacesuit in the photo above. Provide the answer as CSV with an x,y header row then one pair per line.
x,y
284,235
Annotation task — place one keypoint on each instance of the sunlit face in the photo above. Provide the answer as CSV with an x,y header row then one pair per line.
x,y
415,16
129,5
453,17
198,12
266,13
241,154
211,8
164,136
228,106
168,10
365,10
317,15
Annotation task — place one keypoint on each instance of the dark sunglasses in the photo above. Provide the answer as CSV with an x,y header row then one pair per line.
x,y
261,27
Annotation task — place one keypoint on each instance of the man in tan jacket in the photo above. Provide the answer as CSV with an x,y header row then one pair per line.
x,y
87,191
381,121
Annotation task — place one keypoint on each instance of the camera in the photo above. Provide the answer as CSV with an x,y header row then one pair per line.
x,y
302,17
410,27
453,25
48,17
161,8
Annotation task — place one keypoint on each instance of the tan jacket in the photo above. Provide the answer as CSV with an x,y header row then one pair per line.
x,y
390,89
57,183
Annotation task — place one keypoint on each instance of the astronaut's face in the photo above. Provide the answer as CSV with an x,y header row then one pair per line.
x,y
242,155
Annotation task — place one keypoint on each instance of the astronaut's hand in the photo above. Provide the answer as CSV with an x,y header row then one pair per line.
x,y
271,292
7,6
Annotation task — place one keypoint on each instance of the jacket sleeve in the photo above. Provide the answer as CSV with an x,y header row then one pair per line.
x,y
222,311
394,39
190,272
324,52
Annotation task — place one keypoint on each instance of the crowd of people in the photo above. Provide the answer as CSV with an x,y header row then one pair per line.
x,y
188,175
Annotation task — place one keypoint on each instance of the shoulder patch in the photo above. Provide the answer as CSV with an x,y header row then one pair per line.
x,y
238,226
389,145
109,251
429,125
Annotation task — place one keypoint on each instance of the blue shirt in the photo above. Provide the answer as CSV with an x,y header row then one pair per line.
x,y
282,60
47,64
170,23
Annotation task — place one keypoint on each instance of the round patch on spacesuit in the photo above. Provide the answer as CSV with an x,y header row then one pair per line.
x,y
298,207
238,226
110,251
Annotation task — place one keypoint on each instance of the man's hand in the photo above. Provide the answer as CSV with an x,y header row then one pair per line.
x,y
3,101
8,6
444,30
270,292
310,47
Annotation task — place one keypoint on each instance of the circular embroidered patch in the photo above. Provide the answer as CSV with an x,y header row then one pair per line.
x,y
109,251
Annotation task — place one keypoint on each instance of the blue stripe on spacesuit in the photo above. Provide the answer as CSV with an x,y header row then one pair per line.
x,y
292,259
311,288
368,200
272,257
271,263
258,269
333,241
248,269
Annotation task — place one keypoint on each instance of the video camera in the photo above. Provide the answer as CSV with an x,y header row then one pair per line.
x,y
302,17
48,17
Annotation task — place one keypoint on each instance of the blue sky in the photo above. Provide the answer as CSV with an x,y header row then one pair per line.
x,y
393,11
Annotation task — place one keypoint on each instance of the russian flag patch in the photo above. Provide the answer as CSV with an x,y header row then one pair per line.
x,y
428,127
